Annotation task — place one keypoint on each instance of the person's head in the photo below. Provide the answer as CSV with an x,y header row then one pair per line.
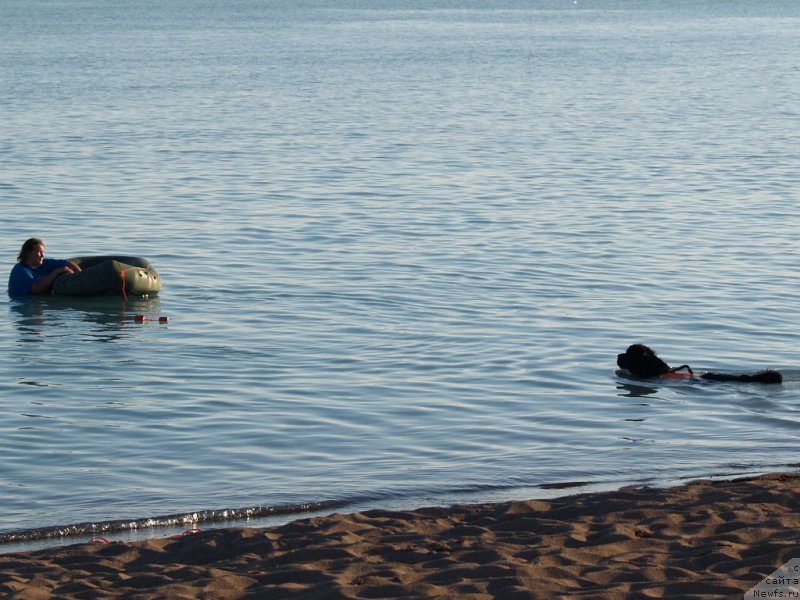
x,y
32,252
642,361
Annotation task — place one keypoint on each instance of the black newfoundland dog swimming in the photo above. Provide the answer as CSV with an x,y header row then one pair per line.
x,y
643,362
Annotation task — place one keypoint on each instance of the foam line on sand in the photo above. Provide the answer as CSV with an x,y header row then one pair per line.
x,y
706,539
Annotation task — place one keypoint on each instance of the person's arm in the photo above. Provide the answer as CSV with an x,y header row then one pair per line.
x,y
45,283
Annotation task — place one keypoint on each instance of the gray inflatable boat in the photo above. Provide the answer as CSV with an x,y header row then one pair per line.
x,y
109,275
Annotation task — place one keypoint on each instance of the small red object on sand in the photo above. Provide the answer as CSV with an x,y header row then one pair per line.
x,y
187,532
97,539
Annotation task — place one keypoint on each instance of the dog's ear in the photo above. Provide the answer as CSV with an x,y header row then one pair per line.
x,y
642,361
640,351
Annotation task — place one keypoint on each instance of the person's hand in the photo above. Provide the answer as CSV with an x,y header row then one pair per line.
x,y
74,268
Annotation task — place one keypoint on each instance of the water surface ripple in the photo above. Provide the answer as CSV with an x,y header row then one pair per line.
x,y
401,246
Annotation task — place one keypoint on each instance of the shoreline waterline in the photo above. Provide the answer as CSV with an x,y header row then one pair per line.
x,y
143,528
715,538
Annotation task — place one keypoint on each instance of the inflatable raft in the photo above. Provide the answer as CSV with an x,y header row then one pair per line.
x,y
109,275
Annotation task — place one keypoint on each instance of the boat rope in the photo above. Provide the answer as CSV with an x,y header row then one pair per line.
x,y
122,276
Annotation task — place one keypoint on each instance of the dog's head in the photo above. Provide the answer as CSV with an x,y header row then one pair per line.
x,y
642,361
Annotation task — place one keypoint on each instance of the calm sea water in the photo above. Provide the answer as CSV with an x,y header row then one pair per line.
x,y
402,244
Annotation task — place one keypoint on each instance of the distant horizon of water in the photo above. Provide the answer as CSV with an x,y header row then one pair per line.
x,y
401,247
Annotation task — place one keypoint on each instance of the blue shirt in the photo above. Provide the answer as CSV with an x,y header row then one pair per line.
x,y
23,277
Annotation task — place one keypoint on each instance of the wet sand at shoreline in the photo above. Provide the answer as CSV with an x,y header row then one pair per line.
x,y
706,539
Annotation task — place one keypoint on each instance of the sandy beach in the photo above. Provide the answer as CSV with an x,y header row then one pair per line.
x,y
706,539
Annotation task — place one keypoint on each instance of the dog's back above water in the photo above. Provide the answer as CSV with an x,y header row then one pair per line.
x,y
641,361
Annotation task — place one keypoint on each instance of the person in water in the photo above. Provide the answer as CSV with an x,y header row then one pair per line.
x,y
35,274
641,361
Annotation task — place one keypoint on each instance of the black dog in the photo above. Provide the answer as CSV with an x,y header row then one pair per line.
x,y
643,362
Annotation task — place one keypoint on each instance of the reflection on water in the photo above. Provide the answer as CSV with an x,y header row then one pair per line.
x,y
104,317
633,390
